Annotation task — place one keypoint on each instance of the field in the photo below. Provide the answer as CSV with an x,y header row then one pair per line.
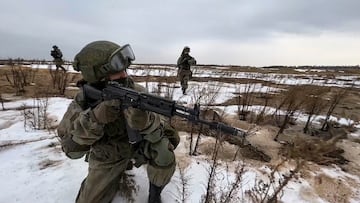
x,y
302,123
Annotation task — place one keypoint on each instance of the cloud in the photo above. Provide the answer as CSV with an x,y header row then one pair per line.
x,y
158,30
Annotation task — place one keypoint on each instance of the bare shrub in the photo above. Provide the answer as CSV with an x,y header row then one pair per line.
x,y
210,194
314,104
233,187
128,187
20,77
291,103
184,184
59,80
207,96
271,189
169,91
147,77
334,100
36,118
158,90
245,100
260,117
207,114
2,102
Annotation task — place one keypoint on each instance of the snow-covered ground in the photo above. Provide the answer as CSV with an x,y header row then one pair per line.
x,y
312,76
34,169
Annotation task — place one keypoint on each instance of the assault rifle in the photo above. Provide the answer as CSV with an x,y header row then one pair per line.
x,y
153,103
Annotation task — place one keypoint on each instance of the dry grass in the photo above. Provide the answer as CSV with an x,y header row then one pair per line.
x,y
330,189
42,83
312,149
323,152
128,187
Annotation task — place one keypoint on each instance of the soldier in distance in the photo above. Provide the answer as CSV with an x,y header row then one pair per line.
x,y
57,55
184,72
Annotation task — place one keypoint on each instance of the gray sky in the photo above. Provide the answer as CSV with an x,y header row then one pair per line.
x,y
238,32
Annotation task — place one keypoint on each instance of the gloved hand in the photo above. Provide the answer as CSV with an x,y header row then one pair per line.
x,y
136,118
173,136
107,111
73,149
192,61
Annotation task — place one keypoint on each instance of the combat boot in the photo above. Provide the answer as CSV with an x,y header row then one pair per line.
x,y
155,193
184,91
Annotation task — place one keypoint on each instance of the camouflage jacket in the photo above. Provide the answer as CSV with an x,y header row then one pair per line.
x,y
56,53
109,142
185,61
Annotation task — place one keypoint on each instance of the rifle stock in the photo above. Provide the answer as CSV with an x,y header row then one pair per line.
x,y
153,103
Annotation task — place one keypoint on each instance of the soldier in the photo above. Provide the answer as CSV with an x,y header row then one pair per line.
x,y
57,55
102,132
184,73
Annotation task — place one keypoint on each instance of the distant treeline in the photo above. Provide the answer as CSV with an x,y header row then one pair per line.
x,y
48,62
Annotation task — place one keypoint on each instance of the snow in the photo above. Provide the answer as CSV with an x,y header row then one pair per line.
x,y
225,72
34,169
276,78
25,178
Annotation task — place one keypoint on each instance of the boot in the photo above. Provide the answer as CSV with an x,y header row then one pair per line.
x,y
154,194
184,91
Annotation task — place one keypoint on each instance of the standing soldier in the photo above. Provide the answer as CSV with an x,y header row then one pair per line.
x,y
184,73
103,132
57,55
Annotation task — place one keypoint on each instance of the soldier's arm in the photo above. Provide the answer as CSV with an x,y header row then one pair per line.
x,y
84,129
191,60
181,60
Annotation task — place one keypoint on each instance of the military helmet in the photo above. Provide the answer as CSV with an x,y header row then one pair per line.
x,y
100,58
186,50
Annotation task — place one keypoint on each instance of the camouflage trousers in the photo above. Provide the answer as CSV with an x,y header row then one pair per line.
x,y
184,77
103,179
59,64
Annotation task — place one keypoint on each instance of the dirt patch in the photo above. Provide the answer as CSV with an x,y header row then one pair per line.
x,y
351,153
330,189
263,139
47,163
9,144
226,151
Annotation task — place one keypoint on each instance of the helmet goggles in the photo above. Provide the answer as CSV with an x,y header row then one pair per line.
x,y
121,58
118,61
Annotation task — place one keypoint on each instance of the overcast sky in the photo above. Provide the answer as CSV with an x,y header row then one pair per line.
x,y
238,32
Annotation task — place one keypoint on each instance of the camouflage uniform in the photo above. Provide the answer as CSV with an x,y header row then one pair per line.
x,y
184,73
57,54
111,152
